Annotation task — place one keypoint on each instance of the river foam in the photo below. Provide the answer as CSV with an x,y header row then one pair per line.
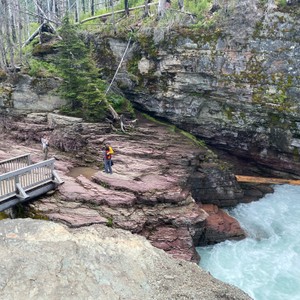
x,y
266,264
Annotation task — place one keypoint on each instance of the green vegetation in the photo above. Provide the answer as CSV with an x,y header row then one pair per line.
x,y
120,104
71,60
193,138
110,222
198,7
81,87
173,128
3,216
37,216
20,211
39,68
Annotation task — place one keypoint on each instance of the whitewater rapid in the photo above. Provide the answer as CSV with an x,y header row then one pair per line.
x,y
266,264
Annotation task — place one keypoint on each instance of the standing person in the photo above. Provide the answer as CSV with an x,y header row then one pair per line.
x,y
108,159
45,146
105,161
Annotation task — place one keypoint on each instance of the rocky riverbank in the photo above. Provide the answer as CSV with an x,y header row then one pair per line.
x,y
161,181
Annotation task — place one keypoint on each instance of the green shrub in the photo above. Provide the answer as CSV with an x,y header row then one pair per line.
x,y
37,68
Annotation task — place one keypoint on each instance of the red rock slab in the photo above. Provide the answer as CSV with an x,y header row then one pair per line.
x,y
220,226
146,183
175,241
77,217
83,190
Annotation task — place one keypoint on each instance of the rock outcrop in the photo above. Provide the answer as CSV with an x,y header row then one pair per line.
x,y
26,94
160,180
45,260
235,84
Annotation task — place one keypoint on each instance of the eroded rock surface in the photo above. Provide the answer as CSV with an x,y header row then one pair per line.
x,y
46,260
160,178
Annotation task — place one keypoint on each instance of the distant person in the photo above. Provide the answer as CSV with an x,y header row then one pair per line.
x,y
107,153
45,146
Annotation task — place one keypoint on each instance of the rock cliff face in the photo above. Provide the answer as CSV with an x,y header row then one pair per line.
x,y
44,260
26,94
236,84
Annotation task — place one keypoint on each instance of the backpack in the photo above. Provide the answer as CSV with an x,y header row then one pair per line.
x,y
111,151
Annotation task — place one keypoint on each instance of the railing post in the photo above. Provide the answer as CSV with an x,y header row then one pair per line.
x,y
21,193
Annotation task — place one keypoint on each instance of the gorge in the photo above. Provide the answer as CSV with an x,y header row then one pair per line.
x,y
227,97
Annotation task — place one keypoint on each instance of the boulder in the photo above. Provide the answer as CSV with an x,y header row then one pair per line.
x,y
46,260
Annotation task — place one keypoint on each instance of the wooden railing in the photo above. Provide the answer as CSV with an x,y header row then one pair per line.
x,y
18,182
15,163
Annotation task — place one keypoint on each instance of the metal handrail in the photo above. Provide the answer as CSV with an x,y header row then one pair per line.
x,y
15,163
23,179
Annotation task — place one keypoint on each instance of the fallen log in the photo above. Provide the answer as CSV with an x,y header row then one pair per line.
x,y
116,12
254,179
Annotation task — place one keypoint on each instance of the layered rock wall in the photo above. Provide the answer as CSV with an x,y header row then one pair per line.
x,y
27,94
235,84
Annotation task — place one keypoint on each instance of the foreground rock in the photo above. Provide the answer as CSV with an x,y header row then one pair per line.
x,y
44,260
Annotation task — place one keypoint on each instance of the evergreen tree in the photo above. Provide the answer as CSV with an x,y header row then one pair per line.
x,y
82,87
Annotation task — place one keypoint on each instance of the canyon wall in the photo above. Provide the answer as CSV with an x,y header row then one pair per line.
x,y
234,83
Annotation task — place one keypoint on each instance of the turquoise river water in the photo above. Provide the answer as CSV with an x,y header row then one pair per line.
x,y
266,265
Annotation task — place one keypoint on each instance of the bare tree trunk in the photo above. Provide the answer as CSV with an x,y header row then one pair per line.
x,y
39,10
113,16
93,7
161,7
146,12
61,9
83,6
19,26
3,61
26,25
7,34
76,12
126,6
181,5
53,10
12,22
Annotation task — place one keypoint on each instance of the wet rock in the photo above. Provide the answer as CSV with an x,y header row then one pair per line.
x,y
219,226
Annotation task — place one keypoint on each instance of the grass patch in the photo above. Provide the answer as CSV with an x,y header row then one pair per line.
x,y
173,128
193,138
3,215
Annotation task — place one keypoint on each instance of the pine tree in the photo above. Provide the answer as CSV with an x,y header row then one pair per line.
x,y
82,87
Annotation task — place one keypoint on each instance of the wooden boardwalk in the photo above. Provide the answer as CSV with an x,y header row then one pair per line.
x,y
21,181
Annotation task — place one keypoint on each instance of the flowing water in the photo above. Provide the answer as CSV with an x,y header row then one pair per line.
x,y
266,264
